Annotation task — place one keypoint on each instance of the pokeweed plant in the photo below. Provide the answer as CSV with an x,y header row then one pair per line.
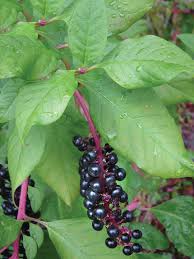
x,y
65,73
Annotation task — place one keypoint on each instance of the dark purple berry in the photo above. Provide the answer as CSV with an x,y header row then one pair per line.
x,y
113,159
120,174
83,162
110,243
124,197
128,216
88,204
125,238
97,225
84,185
137,248
116,192
107,148
113,231
100,212
77,141
136,234
110,180
127,250
96,185
90,214
91,195
88,177
94,170
83,192
91,156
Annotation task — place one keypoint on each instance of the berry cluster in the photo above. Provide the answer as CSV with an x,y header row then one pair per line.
x,y
103,197
11,210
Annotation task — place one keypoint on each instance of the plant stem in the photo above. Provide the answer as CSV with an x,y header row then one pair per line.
x,y
82,103
21,216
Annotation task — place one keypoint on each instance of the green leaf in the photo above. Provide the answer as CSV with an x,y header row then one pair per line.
x,y
123,14
88,32
37,234
147,62
30,247
68,234
8,13
177,92
23,157
59,165
9,230
24,57
138,126
188,40
177,217
152,238
49,8
25,29
47,250
44,102
36,198
9,89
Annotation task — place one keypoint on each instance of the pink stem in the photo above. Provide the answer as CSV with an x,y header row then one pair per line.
x,y
21,216
82,103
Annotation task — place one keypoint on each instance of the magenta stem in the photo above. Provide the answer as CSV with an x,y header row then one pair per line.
x,y
82,103
21,216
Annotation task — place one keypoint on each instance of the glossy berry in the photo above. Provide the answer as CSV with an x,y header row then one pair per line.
x,y
77,141
83,192
113,231
88,204
83,162
112,158
94,170
90,214
137,248
136,234
96,185
124,197
116,192
127,250
91,195
128,216
84,185
120,174
88,177
110,180
111,243
100,212
97,225
125,238
91,156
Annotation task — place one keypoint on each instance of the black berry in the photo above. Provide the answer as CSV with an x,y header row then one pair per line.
x,y
137,234
127,250
110,243
137,248
97,225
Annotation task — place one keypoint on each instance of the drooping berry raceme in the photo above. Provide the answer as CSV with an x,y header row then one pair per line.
x,y
9,208
103,197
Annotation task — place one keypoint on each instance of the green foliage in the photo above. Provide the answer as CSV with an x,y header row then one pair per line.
x,y
129,80
9,230
176,216
136,123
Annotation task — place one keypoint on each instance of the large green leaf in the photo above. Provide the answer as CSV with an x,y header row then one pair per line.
x,y
147,62
123,13
152,238
59,165
24,156
177,92
37,234
75,238
138,126
24,57
8,13
49,8
9,89
30,247
88,32
9,230
44,102
177,217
